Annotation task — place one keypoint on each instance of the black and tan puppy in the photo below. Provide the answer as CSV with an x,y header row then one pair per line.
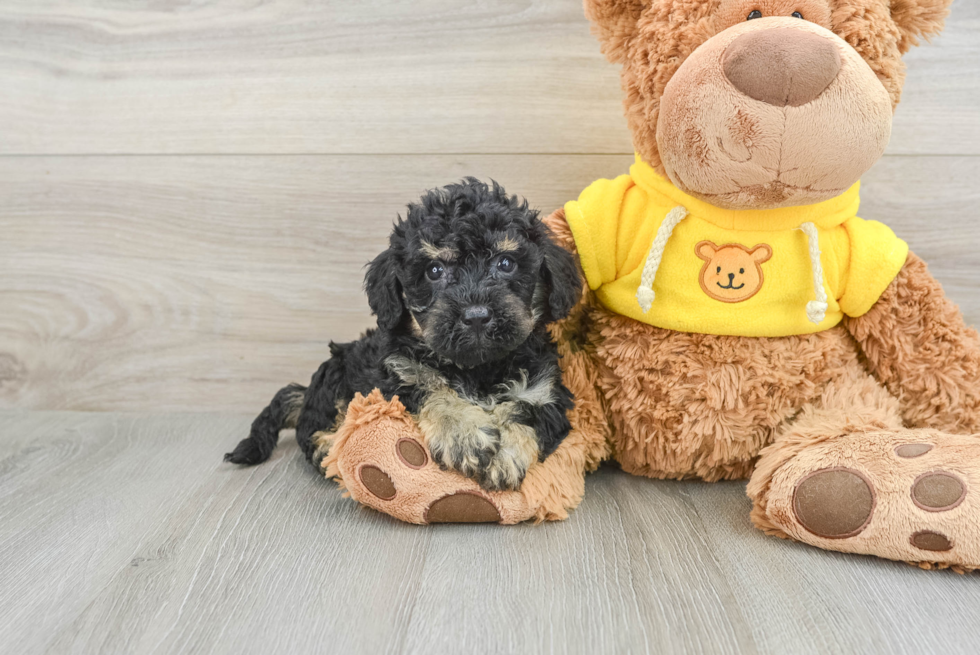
x,y
462,296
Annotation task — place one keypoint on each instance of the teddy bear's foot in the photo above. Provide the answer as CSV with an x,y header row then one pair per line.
x,y
909,495
379,455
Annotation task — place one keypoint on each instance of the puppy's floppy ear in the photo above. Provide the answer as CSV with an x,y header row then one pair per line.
x,y
384,291
560,273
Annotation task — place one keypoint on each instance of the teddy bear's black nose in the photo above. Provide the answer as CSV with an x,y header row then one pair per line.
x,y
782,66
731,278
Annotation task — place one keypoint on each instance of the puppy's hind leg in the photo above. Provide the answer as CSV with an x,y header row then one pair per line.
x,y
329,391
282,412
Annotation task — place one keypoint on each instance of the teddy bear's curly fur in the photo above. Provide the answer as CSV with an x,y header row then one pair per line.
x,y
884,406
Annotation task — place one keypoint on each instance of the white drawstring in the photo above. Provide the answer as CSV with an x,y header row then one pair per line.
x,y
645,294
816,310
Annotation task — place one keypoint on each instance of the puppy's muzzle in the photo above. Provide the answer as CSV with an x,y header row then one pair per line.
x,y
478,318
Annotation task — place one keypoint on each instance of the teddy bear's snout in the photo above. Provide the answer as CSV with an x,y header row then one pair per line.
x,y
772,112
782,66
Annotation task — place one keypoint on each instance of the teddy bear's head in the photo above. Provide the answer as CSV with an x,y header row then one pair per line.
x,y
762,103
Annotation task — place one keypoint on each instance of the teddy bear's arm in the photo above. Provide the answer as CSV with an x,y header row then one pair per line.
x,y
917,344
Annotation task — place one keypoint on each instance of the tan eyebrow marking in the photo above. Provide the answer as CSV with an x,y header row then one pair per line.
x,y
435,252
508,244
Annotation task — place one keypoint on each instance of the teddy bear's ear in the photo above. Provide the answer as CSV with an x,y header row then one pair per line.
x,y
614,24
918,19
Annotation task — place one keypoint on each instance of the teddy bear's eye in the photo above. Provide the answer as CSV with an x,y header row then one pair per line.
x,y
718,270
796,14
755,13
741,270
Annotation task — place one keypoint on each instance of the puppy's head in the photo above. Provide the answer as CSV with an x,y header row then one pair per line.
x,y
471,272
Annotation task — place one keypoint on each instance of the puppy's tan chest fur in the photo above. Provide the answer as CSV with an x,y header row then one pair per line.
x,y
727,396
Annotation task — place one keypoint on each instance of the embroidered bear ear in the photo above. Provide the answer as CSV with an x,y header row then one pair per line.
x,y
706,250
761,253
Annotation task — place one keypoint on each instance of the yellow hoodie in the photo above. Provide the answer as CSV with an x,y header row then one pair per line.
x,y
660,256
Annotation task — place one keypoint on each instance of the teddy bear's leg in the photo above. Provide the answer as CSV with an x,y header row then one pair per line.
x,y
846,475
916,343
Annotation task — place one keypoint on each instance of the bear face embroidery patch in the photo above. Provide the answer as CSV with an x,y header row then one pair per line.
x,y
732,272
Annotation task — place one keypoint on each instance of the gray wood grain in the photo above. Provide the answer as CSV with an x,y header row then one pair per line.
x,y
126,534
801,599
377,76
174,283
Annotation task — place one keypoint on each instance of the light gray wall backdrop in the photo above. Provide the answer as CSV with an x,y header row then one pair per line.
x,y
189,191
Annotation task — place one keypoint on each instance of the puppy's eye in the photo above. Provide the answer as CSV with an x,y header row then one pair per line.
x,y
755,13
506,265
796,14
434,272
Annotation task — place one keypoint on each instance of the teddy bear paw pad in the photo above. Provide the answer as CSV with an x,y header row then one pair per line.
x,y
462,507
411,453
911,450
886,494
377,482
931,540
938,491
834,503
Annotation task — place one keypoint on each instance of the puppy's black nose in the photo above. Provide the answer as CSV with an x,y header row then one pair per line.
x,y
477,317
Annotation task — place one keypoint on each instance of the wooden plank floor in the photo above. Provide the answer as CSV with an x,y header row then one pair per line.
x,y
188,193
127,534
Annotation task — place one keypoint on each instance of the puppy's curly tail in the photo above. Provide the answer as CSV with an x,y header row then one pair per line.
x,y
282,412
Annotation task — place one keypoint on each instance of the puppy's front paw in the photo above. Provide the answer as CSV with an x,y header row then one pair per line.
x,y
518,450
460,436
464,448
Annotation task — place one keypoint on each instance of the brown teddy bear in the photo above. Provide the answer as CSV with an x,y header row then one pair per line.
x,y
740,320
